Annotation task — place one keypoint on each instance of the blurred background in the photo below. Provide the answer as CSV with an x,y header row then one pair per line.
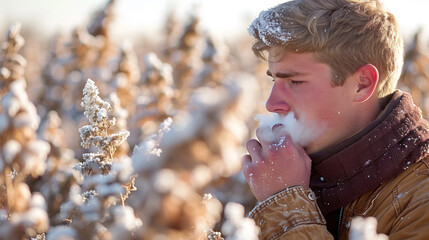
x,y
140,17
153,61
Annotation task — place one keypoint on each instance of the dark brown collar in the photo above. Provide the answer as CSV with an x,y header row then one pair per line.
x,y
397,138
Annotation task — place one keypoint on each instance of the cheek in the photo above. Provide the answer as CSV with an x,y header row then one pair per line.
x,y
327,114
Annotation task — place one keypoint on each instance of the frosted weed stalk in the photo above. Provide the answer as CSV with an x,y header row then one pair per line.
x,y
96,134
92,209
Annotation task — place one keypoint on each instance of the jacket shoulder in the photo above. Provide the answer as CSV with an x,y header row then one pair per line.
x,y
400,205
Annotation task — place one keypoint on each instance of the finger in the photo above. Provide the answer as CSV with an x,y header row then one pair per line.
x,y
304,156
266,139
245,161
247,167
265,135
255,149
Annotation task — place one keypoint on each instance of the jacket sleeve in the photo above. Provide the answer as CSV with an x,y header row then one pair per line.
x,y
290,214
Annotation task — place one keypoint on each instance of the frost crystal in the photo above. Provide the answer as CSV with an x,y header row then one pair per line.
x,y
95,108
270,28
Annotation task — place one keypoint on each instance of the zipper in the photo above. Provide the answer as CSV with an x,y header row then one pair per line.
x,y
339,222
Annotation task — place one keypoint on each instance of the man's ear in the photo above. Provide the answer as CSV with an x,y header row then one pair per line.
x,y
367,80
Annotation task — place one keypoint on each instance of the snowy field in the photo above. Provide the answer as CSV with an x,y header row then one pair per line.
x,y
105,138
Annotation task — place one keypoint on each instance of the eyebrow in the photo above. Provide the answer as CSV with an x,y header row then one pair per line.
x,y
284,75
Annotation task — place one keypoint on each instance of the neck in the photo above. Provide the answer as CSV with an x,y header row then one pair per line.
x,y
347,175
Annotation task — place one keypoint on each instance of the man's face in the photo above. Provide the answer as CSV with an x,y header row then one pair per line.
x,y
303,86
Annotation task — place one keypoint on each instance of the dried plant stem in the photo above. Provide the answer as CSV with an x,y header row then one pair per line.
x,y
10,191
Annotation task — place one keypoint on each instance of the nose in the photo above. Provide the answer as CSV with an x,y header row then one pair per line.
x,y
277,101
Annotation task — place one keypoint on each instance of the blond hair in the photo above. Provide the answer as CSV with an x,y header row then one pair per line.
x,y
345,34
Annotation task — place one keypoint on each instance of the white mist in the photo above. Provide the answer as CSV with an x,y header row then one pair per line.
x,y
302,132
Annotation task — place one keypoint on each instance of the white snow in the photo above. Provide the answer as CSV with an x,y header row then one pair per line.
x,y
10,149
270,29
365,228
105,190
61,232
237,227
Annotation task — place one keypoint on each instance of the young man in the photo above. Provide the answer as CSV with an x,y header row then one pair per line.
x,y
335,65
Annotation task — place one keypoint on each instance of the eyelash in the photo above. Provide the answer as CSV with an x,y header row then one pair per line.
x,y
295,83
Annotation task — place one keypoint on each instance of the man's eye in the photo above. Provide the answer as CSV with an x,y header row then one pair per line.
x,y
296,82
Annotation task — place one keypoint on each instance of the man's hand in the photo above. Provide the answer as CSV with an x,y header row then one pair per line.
x,y
273,165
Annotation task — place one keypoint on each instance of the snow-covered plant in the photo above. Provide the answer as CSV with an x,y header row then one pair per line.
x,y
121,116
167,204
150,147
84,49
12,64
186,57
100,25
29,217
157,93
414,77
126,77
55,91
93,209
59,175
96,134
213,235
171,28
22,154
215,64
236,226
365,229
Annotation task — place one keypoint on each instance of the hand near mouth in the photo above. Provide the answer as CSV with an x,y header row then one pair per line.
x,y
272,166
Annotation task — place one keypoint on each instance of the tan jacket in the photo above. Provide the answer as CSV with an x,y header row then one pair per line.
x,y
401,207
